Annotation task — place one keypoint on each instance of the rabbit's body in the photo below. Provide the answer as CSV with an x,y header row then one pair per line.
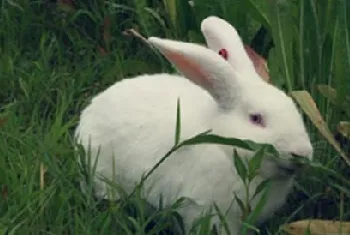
x,y
148,132
131,125
134,140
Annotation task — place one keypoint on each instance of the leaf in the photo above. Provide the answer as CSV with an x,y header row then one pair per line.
x,y
2,121
178,122
308,105
342,51
42,176
255,162
317,227
205,138
301,41
344,129
204,224
258,11
331,94
222,218
258,209
170,6
328,92
282,32
194,36
264,184
3,229
134,33
240,167
14,4
344,189
246,226
156,16
4,192
185,18
240,203
107,31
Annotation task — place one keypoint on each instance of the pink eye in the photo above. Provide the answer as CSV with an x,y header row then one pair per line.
x,y
257,119
223,53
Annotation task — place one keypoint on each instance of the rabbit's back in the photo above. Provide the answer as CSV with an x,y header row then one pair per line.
x,y
133,123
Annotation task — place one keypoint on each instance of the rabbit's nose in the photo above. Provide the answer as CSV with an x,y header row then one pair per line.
x,y
306,151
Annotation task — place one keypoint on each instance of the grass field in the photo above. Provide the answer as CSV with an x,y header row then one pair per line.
x,y
54,56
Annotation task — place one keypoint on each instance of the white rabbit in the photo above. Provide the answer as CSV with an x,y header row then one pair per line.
x,y
131,125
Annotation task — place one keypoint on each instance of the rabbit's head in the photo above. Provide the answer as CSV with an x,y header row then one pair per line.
x,y
247,106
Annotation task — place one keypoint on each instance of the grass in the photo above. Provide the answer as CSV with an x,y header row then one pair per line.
x,y
55,57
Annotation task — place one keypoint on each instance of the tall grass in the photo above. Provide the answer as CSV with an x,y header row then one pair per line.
x,y
54,56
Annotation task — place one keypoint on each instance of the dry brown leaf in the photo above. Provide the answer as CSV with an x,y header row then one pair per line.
x,y
134,33
106,29
4,192
68,5
2,121
102,51
308,105
344,129
328,92
317,227
42,175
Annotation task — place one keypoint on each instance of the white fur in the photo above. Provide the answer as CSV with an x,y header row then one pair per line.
x,y
133,124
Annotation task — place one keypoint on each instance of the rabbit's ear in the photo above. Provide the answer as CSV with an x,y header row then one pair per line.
x,y
203,67
222,38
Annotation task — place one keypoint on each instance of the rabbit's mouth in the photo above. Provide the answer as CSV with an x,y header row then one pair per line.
x,y
289,164
288,169
285,166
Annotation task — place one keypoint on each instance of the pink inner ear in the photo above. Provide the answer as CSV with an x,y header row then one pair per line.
x,y
259,63
189,68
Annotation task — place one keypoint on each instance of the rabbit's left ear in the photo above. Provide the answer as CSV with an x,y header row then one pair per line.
x,y
203,67
223,38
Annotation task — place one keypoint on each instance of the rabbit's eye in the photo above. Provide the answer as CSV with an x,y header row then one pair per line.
x,y
223,53
257,119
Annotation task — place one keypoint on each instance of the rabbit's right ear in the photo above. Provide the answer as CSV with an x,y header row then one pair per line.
x,y
203,67
223,38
